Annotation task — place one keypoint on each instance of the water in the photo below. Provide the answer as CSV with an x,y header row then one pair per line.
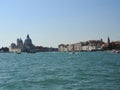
x,y
60,71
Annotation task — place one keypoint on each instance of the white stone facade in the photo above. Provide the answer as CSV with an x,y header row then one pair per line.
x,y
91,45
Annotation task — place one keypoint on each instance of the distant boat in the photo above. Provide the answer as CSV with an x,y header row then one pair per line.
x,y
18,52
72,52
116,51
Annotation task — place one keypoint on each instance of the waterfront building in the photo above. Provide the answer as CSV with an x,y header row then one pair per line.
x,y
63,48
27,46
91,45
80,46
13,48
85,48
77,47
20,43
94,45
70,47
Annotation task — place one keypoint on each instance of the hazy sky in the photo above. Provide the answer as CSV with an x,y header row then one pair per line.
x,y
52,22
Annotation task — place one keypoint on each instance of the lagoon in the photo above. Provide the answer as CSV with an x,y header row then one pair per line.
x,y
60,71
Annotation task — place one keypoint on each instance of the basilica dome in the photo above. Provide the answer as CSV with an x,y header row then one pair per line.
x,y
28,41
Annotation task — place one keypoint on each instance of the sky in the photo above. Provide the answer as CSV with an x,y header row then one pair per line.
x,y
52,22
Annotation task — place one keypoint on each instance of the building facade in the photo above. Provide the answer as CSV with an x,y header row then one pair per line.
x,y
27,46
63,48
91,45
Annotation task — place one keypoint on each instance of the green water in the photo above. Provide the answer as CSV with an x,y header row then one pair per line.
x,y
60,71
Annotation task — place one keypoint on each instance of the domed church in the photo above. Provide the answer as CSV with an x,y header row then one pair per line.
x,y
28,41
27,46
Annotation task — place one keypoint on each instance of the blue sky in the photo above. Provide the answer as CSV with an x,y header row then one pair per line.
x,y
52,22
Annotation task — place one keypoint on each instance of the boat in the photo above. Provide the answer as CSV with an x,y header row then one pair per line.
x,y
116,51
18,52
72,52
